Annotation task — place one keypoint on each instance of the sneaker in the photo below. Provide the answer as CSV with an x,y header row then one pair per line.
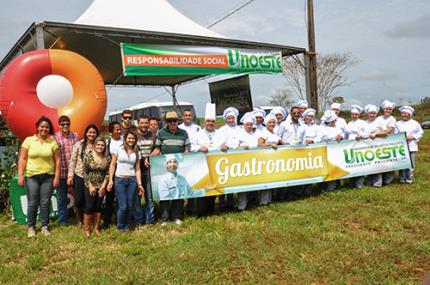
x,y
45,231
178,222
31,232
163,224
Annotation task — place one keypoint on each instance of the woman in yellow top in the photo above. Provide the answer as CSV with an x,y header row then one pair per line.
x,y
40,161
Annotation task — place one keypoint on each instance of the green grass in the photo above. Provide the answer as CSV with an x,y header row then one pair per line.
x,y
367,236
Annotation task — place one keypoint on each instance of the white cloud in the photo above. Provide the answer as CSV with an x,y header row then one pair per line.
x,y
418,28
377,75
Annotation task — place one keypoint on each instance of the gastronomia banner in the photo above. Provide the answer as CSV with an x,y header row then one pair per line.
x,y
179,176
155,60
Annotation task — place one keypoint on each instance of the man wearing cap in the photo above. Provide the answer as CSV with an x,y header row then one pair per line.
x,y
171,139
207,139
414,133
126,124
173,185
387,124
191,130
356,131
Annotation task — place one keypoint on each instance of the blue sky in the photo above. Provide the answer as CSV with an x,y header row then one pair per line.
x,y
389,39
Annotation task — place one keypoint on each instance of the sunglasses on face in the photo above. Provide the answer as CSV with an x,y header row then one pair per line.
x,y
171,121
65,124
295,113
126,118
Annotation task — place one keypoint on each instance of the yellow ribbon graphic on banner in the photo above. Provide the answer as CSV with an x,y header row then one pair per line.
x,y
265,166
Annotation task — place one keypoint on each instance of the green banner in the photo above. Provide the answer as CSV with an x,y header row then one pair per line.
x,y
191,175
18,202
156,60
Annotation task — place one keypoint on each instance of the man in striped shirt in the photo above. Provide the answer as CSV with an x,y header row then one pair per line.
x,y
172,140
65,139
145,144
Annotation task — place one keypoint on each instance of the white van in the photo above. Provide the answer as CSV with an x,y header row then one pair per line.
x,y
153,110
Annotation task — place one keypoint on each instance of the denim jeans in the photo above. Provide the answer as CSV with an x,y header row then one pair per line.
x,y
125,189
137,209
39,190
149,203
62,201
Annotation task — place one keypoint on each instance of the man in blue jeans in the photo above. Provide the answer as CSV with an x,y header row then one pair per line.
x,y
65,139
145,143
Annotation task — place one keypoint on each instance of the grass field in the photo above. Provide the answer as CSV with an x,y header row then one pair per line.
x,y
367,236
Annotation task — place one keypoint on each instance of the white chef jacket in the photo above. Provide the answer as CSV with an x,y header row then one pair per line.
x,y
411,128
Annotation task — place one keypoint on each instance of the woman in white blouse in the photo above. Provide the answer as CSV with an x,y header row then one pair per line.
x,y
125,165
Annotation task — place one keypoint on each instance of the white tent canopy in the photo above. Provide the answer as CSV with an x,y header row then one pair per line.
x,y
97,35
146,15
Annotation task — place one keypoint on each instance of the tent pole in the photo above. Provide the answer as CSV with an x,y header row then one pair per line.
x,y
40,39
174,97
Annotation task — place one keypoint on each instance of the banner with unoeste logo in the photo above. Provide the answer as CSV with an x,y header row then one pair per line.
x,y
190,175
167,60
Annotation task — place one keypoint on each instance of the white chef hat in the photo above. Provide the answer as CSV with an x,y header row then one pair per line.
x,y
371,108
248,117
170,157
356,109
387,104
309,111
329,116
259,112
269,118
302,104
407,109
277,110
230,111
210,113
335,106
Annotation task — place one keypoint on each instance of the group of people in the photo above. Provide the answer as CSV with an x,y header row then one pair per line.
x,y
116,170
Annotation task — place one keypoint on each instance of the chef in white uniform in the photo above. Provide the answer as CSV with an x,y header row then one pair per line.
x,y
248,138
370,130
309,130
356,131
414,133
330,132
280,115
336,107
387,124
259,115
